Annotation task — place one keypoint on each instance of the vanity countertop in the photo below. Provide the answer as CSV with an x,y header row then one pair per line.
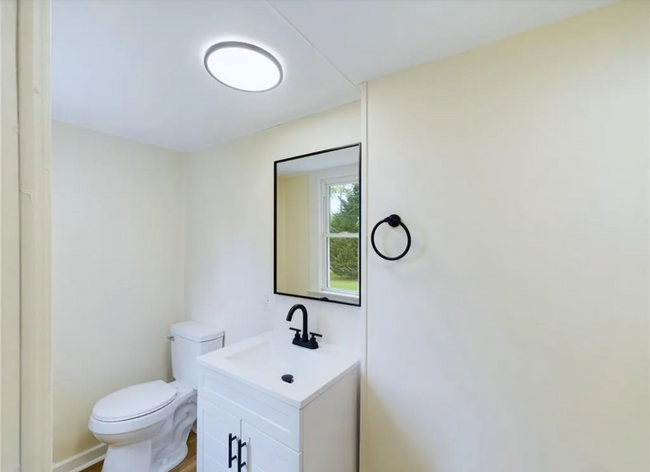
x,y
261,361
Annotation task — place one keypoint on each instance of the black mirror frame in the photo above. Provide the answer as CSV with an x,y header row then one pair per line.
x,y
275,225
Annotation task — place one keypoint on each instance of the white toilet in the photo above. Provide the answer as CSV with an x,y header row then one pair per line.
x,y
146,426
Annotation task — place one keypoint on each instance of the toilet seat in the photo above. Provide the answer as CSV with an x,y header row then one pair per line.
x,y
134,402
181,394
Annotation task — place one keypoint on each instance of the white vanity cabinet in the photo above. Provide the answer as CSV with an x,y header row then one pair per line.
x,y
280,435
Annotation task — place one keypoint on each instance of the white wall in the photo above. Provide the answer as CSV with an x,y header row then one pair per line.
x,y
229,240
514,336
117,271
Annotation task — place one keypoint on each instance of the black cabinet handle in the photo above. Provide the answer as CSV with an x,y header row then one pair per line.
x,y
240,464
231,458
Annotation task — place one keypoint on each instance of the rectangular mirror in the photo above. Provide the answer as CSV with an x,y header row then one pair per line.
x,y
318,225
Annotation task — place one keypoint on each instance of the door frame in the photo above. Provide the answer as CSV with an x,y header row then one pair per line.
x,y
10,242
35,151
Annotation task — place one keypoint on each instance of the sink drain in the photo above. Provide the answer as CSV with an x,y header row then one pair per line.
x,y
288,378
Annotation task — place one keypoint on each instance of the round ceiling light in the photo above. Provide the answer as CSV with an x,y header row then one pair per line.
x,y
243,66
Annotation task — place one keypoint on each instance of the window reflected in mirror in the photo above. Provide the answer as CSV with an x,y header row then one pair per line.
x,y
318,225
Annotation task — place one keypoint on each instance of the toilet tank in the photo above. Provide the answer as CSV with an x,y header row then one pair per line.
x,y
191,339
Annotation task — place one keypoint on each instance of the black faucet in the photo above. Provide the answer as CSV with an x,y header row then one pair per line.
x,y
303,341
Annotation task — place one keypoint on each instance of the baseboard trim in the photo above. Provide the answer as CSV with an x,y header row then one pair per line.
x,y
81,461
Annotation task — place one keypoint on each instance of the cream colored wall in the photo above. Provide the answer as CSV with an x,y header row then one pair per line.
x,y
514,336
117,271
293,256
229,241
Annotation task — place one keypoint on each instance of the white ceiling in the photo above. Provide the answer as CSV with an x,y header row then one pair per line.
x,y
366,39
134,68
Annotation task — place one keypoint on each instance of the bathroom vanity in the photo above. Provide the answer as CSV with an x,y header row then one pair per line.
x,y
251,419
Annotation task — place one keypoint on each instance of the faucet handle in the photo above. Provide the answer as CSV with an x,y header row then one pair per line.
x,y
297,336
314,336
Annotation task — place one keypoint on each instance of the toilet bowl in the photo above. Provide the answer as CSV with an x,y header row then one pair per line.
x,y
146,426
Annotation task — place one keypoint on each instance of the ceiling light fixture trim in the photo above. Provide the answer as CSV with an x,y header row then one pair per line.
x,y
242,46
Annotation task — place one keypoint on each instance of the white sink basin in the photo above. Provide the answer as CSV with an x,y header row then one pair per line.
x,y
262,361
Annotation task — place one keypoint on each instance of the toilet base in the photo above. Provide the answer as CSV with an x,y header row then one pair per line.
x,y
173,460
171,449
137,457
130,458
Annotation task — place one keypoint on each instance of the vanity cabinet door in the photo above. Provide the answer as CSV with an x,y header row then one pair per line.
x,y
264,454
214,429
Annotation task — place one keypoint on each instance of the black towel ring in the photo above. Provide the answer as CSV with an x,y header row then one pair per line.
x,y
394,221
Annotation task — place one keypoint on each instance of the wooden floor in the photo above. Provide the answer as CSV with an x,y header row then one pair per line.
x,y
188,465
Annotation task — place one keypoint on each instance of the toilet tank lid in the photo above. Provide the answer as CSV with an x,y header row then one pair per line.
x,y
195,331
